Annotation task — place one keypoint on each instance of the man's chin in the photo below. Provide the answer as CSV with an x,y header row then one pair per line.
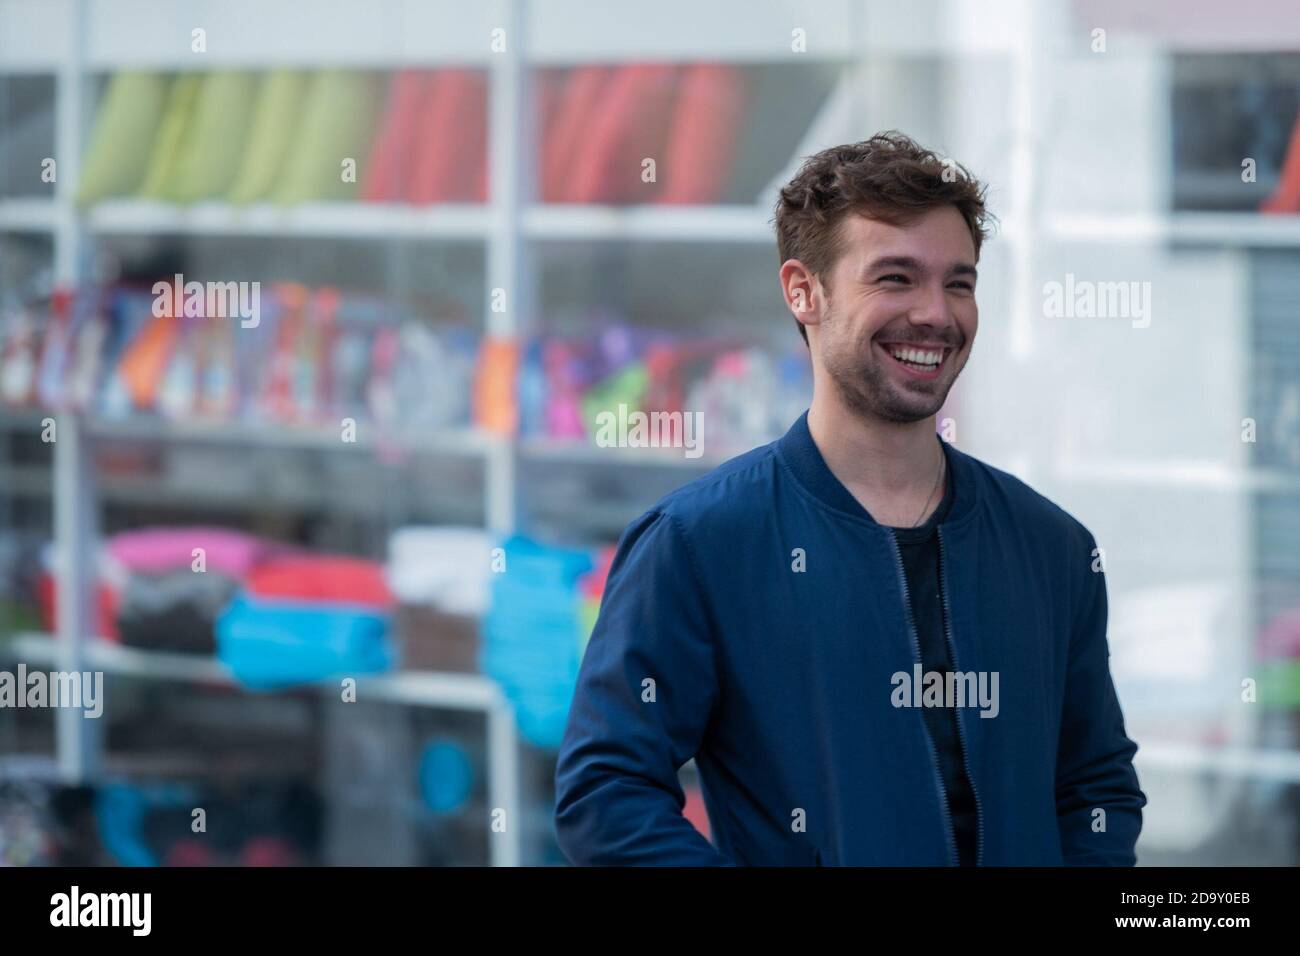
x,y
906,416
907,408
887,401
898,411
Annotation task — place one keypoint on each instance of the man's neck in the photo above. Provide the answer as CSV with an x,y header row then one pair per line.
x,y
891,468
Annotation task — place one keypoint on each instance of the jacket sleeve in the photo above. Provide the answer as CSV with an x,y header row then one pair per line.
x,y
645,693
1094,767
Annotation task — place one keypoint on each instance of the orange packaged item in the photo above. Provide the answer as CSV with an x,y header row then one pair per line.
x,y
145,360
495,408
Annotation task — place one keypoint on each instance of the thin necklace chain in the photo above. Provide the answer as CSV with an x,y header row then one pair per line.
x,y
926,506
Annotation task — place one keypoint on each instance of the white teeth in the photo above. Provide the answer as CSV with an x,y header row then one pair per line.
x,y
916,356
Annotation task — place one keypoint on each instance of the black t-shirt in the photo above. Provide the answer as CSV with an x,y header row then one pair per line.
x,y
921,564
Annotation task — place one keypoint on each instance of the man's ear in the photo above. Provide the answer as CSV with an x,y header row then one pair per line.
x,y
802,291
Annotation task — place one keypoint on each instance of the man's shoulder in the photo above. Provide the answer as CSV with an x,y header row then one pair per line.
x,y
730,491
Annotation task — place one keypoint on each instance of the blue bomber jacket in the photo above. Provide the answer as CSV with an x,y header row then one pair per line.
x,y
755,620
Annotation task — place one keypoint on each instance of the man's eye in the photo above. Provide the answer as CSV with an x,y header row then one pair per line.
x,y
968,286
895,277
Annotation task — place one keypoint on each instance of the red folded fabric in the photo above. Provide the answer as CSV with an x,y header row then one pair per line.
x,y
576,101
106,603
1286,197
393,154
702,140
451,146
630,126
325,578
480,193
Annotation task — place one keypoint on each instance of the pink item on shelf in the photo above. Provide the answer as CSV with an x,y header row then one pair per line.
x,y
156,550
731,364
1280,638
564,399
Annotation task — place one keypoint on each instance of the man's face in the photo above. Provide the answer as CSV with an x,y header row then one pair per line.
x,y
901,314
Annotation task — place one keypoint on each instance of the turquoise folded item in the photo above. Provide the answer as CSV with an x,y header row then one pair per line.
x,y
531,635
274,644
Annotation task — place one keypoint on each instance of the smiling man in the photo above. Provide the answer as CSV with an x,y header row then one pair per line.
x,y
878,649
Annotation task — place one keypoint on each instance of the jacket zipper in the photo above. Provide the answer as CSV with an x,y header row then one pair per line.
x,y
929,743
952,653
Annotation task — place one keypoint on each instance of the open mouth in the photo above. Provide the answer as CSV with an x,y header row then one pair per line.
x,y
924,363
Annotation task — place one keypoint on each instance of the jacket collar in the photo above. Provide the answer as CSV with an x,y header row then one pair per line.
x,y
802,456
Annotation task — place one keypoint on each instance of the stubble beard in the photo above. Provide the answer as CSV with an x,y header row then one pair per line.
x,y
867,390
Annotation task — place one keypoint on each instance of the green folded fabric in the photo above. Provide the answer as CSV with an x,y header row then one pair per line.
x,y
212,146
279,104
171,134
1279,685
339,116
125,127
624,387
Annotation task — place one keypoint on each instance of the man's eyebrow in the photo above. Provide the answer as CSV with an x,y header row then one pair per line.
x,y
892,262
909,262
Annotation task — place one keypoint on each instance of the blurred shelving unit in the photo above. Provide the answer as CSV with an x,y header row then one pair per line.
x,y
75,41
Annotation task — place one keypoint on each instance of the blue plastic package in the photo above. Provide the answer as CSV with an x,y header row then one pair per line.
x,y
274,644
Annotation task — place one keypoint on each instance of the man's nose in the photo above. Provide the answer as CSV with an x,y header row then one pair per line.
x,y
931,307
